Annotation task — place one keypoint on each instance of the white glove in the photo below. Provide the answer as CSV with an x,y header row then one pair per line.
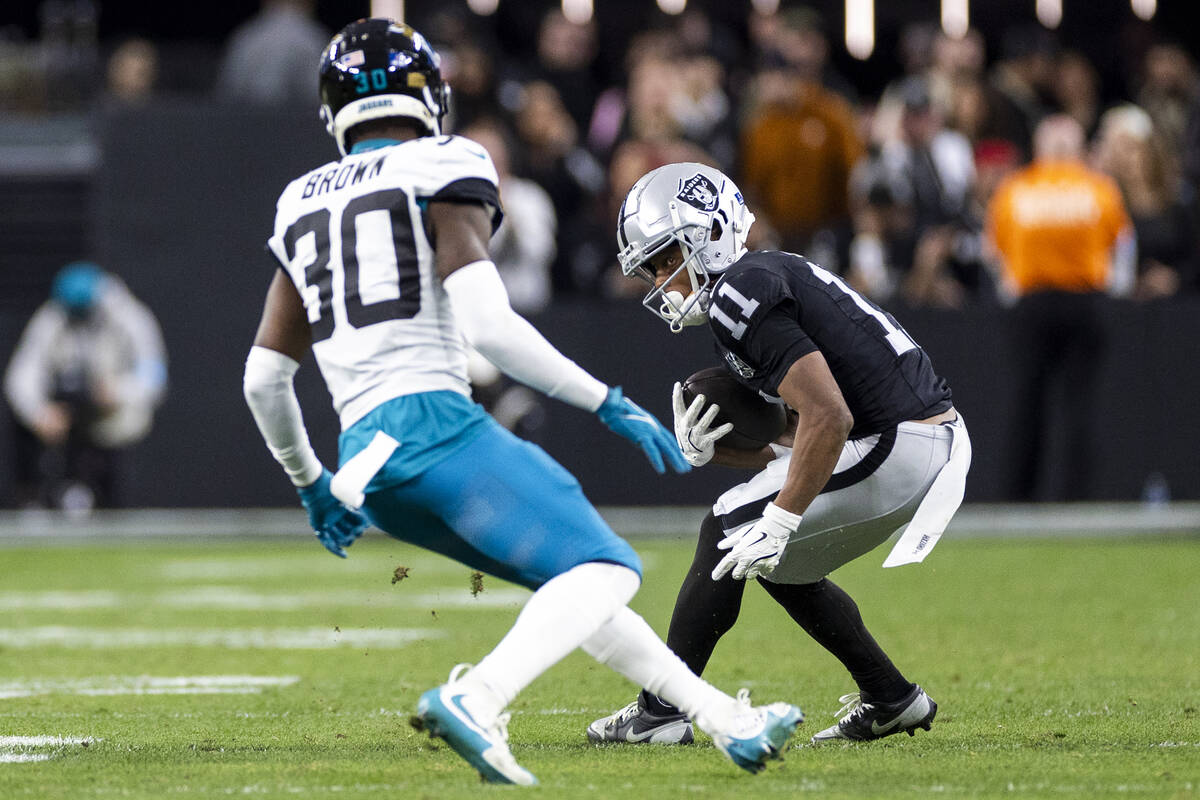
x,y
691,430
756,550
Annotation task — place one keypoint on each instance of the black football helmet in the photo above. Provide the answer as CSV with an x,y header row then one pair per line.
x,y
376,68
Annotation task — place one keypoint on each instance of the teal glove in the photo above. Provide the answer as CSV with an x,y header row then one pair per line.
x,y
337,526
626,418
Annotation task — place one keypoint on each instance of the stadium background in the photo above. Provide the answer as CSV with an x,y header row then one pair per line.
x,y
177,197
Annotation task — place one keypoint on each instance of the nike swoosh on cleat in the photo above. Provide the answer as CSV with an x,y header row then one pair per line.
x,y
630,736
879,730
457,701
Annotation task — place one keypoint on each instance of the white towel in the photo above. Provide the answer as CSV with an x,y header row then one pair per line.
x,y
941,501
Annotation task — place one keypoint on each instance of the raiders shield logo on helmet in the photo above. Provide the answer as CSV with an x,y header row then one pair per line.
x,y
699,192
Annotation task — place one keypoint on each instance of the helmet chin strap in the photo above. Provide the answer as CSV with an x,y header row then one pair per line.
x,y
682,312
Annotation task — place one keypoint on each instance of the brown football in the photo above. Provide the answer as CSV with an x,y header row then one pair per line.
x,y
756,422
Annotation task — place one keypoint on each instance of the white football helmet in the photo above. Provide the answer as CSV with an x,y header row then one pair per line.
x,y
697,207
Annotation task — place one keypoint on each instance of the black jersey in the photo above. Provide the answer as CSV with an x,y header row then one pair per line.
x,y
770,308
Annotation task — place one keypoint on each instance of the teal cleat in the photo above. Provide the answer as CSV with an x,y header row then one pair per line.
x,y
444,712
760,734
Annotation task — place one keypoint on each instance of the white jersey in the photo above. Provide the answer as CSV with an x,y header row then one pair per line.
x,y
352,238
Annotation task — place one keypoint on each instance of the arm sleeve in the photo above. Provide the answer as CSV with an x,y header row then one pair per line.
x,y
480,305
267,385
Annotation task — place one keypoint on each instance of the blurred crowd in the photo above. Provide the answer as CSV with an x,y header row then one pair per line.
x,y
890,191
931,189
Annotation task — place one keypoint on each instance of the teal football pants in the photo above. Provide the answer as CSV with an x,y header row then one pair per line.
x,y
500,505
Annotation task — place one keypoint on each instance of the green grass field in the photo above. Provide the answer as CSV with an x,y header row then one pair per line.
x,y
1062,669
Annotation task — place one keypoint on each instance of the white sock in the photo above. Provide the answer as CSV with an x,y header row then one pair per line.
x,y
631,647
565,611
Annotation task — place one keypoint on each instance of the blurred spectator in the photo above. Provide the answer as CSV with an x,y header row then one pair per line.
x,y
653,136
1169,91
699,34
672,93
523,246
955,59
574,180
929,170
929,166
917,45
565,52
983,114
653,133
995,160
703,109
1130,149
1024,74
269,59
916,54
132,74
83,383
523,250
796,38
1062,234
471,72
610,123
712,55
974,261
881,248
799,144
1077,90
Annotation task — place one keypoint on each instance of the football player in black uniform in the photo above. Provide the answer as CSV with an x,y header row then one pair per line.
x,y
875,445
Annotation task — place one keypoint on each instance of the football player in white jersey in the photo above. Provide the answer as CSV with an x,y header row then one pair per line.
x,y
875,445
385,276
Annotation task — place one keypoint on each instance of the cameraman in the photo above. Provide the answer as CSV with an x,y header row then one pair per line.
x,y
83,382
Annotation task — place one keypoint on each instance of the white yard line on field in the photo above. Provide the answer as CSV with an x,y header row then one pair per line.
x,y
16,749
298,567
146,685
19,742
58,600
236,598
240,597
232,638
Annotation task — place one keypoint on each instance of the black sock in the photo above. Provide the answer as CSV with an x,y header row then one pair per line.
x,y
704,610
831,617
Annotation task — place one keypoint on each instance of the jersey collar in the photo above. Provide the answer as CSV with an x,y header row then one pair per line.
x,y
372,144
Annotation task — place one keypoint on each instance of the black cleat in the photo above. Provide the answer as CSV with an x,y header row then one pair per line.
x,y
864,722
637,724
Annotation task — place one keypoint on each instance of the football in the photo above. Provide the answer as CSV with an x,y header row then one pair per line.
x,y
756,422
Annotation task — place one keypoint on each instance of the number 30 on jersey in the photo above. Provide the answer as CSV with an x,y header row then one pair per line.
x,y
374,289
